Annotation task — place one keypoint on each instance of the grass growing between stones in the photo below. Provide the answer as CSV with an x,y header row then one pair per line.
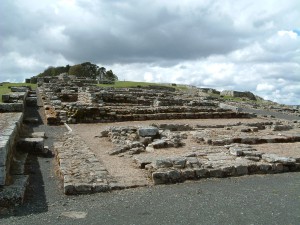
x,y
5,87
131,84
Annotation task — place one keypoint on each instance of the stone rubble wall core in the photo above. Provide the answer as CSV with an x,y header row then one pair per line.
x,y
67,101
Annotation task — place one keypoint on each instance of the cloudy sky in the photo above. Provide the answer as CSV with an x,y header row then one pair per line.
x,y
243,45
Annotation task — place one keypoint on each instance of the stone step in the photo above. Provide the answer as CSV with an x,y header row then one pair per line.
x,y
37,135
18,164
31,101
31,145
13,194
31,120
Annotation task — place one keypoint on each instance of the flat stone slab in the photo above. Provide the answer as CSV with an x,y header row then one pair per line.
x,y
32,145
37,135
148,131
81,171
31,120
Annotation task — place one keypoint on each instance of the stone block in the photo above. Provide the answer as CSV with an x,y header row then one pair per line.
x,y
201,173
5,98
174,176
38,135
148,131
277,167
241,170
229,170
102,187
32,145
265,167
31,101
236,151
188,174
83,188
273,158
281,127
159,144
69,189
4,148
163,163
2,175
216,172
179,162
160,177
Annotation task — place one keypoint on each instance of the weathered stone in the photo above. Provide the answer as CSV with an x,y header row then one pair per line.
x,y
252,158
174,176
241,170
148,131
236,151
281,127
136,144
159,144
188,174
32,145
149,149
229,170
201,172
192,162
104,133
273,158
179,162
277,167
118,150
37,135
163,163
216,172
160,177
31,101
265,167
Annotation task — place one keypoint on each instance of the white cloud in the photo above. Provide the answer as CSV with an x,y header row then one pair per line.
x,y
224,44
265,87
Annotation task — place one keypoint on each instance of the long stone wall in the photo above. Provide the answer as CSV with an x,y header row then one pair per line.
x,y
68,102
10,124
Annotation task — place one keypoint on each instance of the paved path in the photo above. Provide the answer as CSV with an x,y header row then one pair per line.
x,y
268,199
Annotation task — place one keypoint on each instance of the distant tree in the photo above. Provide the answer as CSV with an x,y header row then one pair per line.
x,y
54,71
86,69
109,75
76,70
90,70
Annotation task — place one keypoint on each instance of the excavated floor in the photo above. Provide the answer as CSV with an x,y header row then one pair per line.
x,y
123,170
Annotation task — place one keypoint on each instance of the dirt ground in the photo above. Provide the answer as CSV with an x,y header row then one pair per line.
x,y
122,168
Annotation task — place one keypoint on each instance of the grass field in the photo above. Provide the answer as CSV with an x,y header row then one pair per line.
x,y
127,84
4,87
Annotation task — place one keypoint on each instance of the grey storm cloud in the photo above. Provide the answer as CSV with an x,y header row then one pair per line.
x,y
225,44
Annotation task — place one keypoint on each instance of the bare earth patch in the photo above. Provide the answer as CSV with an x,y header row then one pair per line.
x,y
125,171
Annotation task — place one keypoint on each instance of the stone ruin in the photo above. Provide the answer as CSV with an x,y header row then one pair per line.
x,y
80,101
219,150
222,150
238,94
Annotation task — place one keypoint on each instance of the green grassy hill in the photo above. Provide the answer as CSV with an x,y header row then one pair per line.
x,y
128,84
4,87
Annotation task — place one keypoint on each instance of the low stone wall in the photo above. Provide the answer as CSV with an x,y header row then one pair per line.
x,y
10,124
237,160
80,170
